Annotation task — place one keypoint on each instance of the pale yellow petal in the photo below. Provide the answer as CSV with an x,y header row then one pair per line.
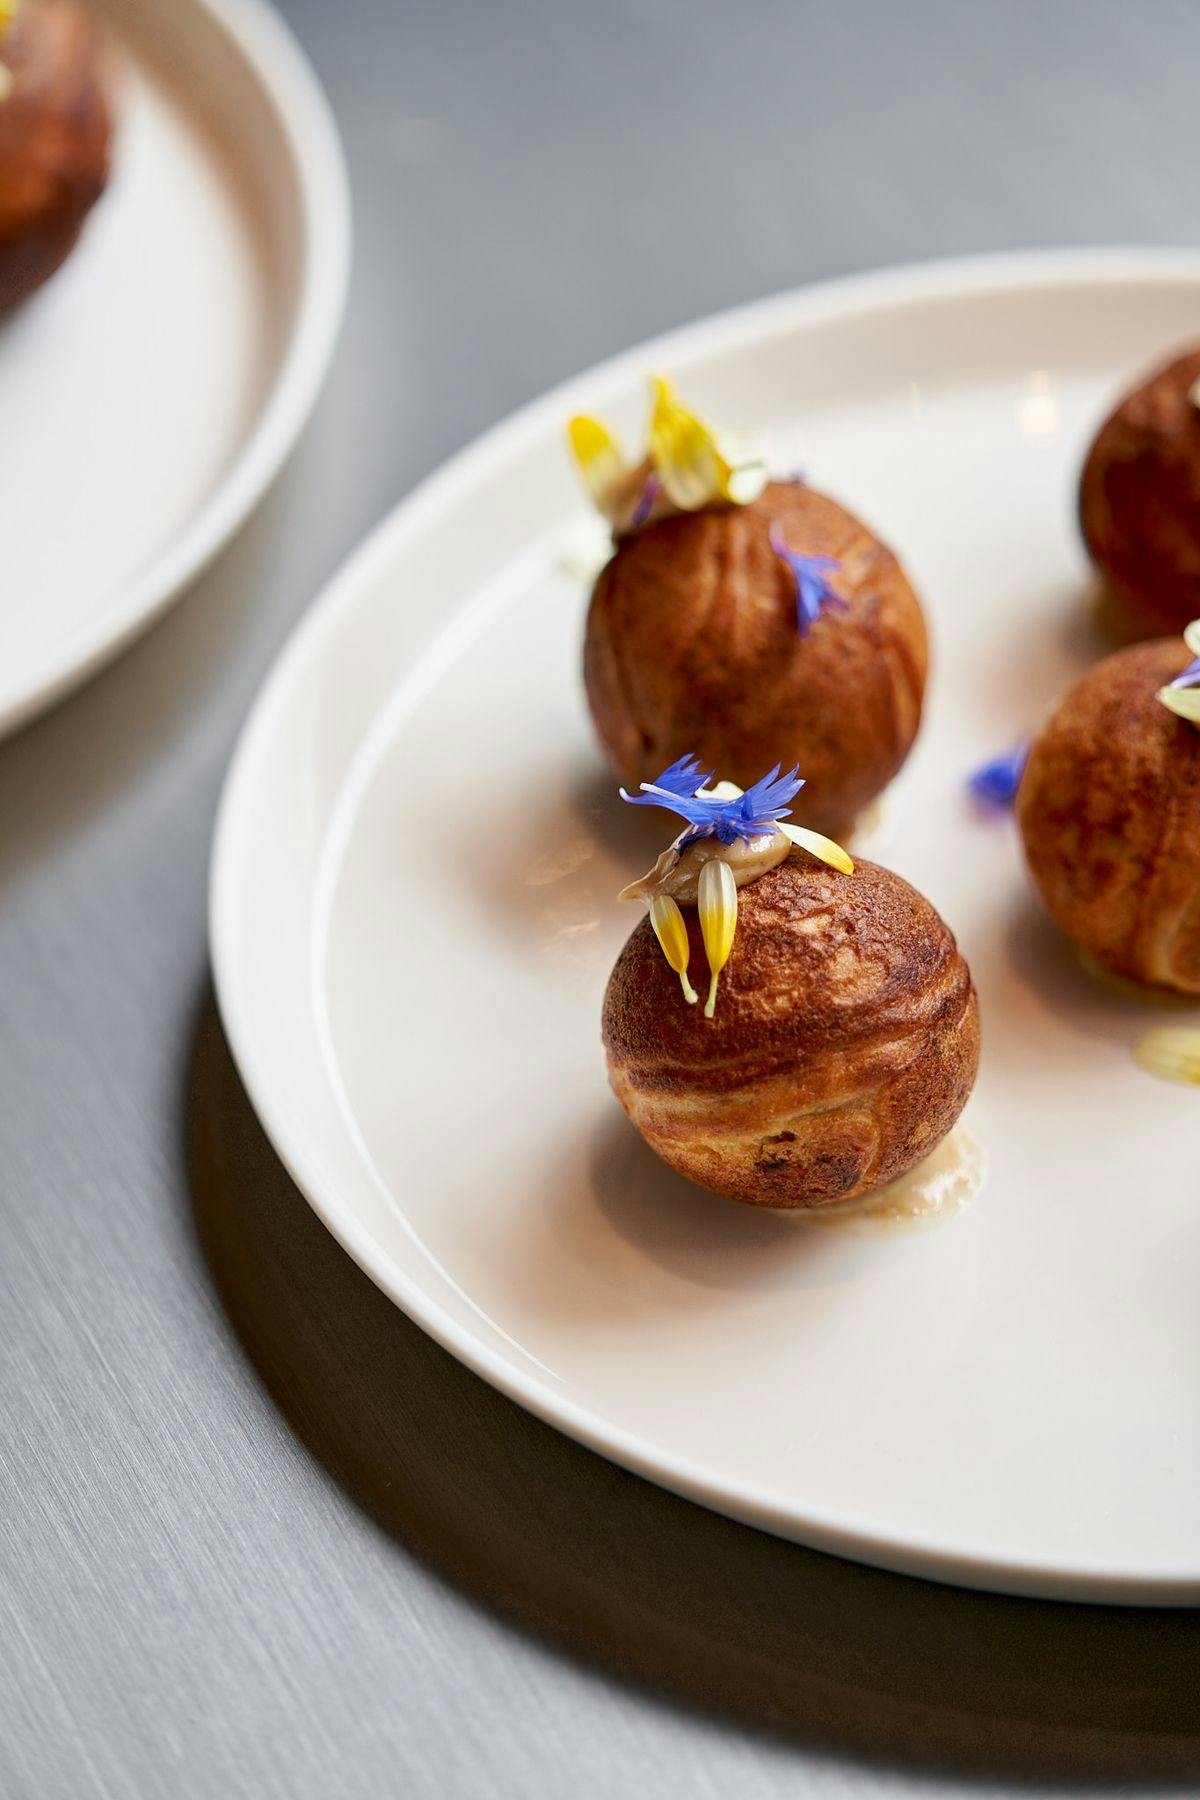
x,y
682,451
717,900
1184,701
1191,637
598,457
689,460
822,847
671,932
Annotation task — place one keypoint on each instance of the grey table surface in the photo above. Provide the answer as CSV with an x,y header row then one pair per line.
x,y
259,1536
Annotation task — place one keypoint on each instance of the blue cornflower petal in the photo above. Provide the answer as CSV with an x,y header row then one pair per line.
x,y
768,798
997,781
681,780
811,576
750,814
1190,677
651,489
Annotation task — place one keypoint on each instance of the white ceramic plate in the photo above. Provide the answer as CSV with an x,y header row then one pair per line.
x,y
152,389
413,918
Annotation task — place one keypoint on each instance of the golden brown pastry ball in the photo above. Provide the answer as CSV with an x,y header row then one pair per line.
x,y
54,141
843,1048
1139,504
1109,810
692,647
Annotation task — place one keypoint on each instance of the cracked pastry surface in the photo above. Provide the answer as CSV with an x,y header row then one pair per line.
x,y
844,1047
692,647
54,141
1109,811
1139,504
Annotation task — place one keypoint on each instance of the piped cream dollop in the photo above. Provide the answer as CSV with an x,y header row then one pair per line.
x,y
677,872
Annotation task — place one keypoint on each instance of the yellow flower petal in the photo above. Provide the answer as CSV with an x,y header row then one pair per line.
x,y
671,933
1191,636
1171,1052
816,845
1184,701
718,904
683,451
598,455
688,459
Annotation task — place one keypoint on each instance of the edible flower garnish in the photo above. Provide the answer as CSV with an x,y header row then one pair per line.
x,y
1172,1052
687,466
1182,696
690,460
718,904
811,575
682,779
671,933
823,848
652,487
996,782
743,815
742,832
598,457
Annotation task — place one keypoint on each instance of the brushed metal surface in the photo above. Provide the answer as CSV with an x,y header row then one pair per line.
x,y
258,1537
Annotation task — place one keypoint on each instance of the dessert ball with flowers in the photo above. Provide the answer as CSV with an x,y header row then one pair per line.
x,y
839,1037
54,137
1139,503
742,619
1109,811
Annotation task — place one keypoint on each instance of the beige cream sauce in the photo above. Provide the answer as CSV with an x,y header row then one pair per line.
x,y
938,1189
679,874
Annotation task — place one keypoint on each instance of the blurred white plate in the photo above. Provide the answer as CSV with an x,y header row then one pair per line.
x,y
413,918
153,388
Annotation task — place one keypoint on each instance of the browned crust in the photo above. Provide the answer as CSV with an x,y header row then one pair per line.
x,y
1139,504
1109,810
692,646
844,1046
54,141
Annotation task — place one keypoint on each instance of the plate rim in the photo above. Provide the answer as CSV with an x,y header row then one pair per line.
x,y
306,127
908,1553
